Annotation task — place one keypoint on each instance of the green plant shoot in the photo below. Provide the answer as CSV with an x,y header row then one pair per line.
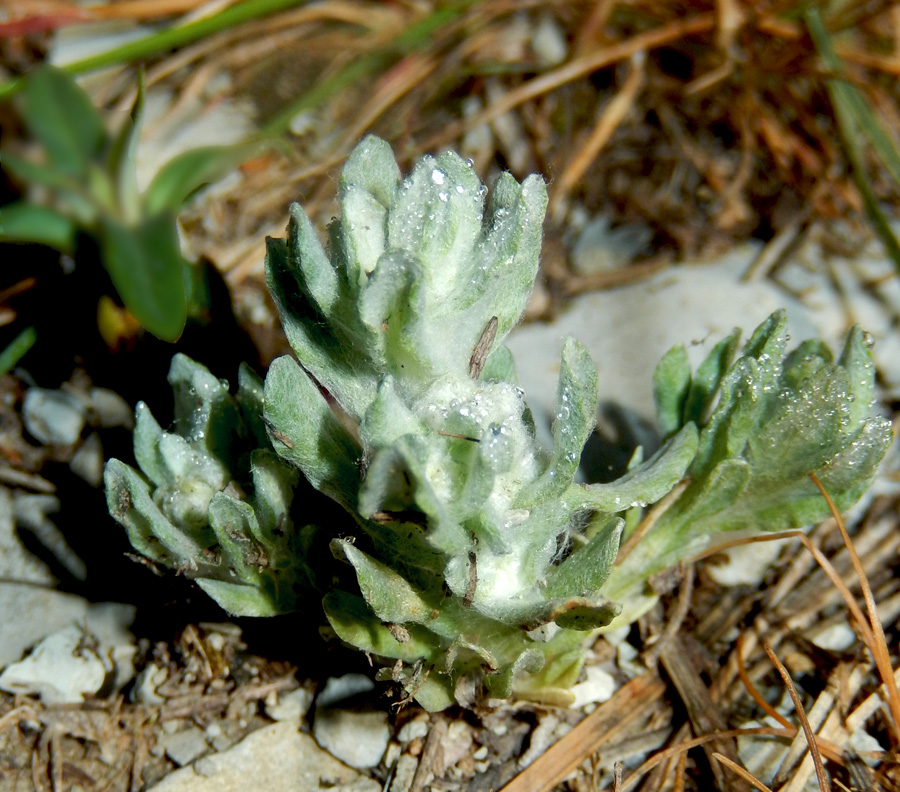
x,y
468,560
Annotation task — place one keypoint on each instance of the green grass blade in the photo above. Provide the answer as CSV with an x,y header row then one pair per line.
x,y
171,38
855,118
16,349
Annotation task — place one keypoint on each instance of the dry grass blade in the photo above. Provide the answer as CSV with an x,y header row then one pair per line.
x,y
683,747
674,619
607,122
582,67
704,716
878,645
751,688
681,772
821,560
748,777
430,755
821,775
624,708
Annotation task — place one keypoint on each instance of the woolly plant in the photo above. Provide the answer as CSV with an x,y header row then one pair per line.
x,y
470,562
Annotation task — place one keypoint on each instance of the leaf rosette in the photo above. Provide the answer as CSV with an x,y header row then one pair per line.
x,y
470,560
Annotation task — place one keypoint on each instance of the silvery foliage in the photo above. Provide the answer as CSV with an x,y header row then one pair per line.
x,y
473,564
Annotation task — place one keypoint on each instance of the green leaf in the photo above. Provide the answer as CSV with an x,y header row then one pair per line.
x,y
706,381
671,386
387,593
26,222
736,416
390,306
388,417
32,173
16,349
150,533
509,252
240,599
205,413
362,234
500,683
341,368
305,431
576,409
147,437
251,399
371,167
500,366
587,613
61,116
646,483
185,173
719,491
856,360
145,265
236,529
586,568
122,154
274,484
355,623
317,277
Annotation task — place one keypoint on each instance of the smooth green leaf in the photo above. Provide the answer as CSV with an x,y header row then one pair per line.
x,y
145,265
61,116
33,173
185,173
120,161
26,222
16,349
